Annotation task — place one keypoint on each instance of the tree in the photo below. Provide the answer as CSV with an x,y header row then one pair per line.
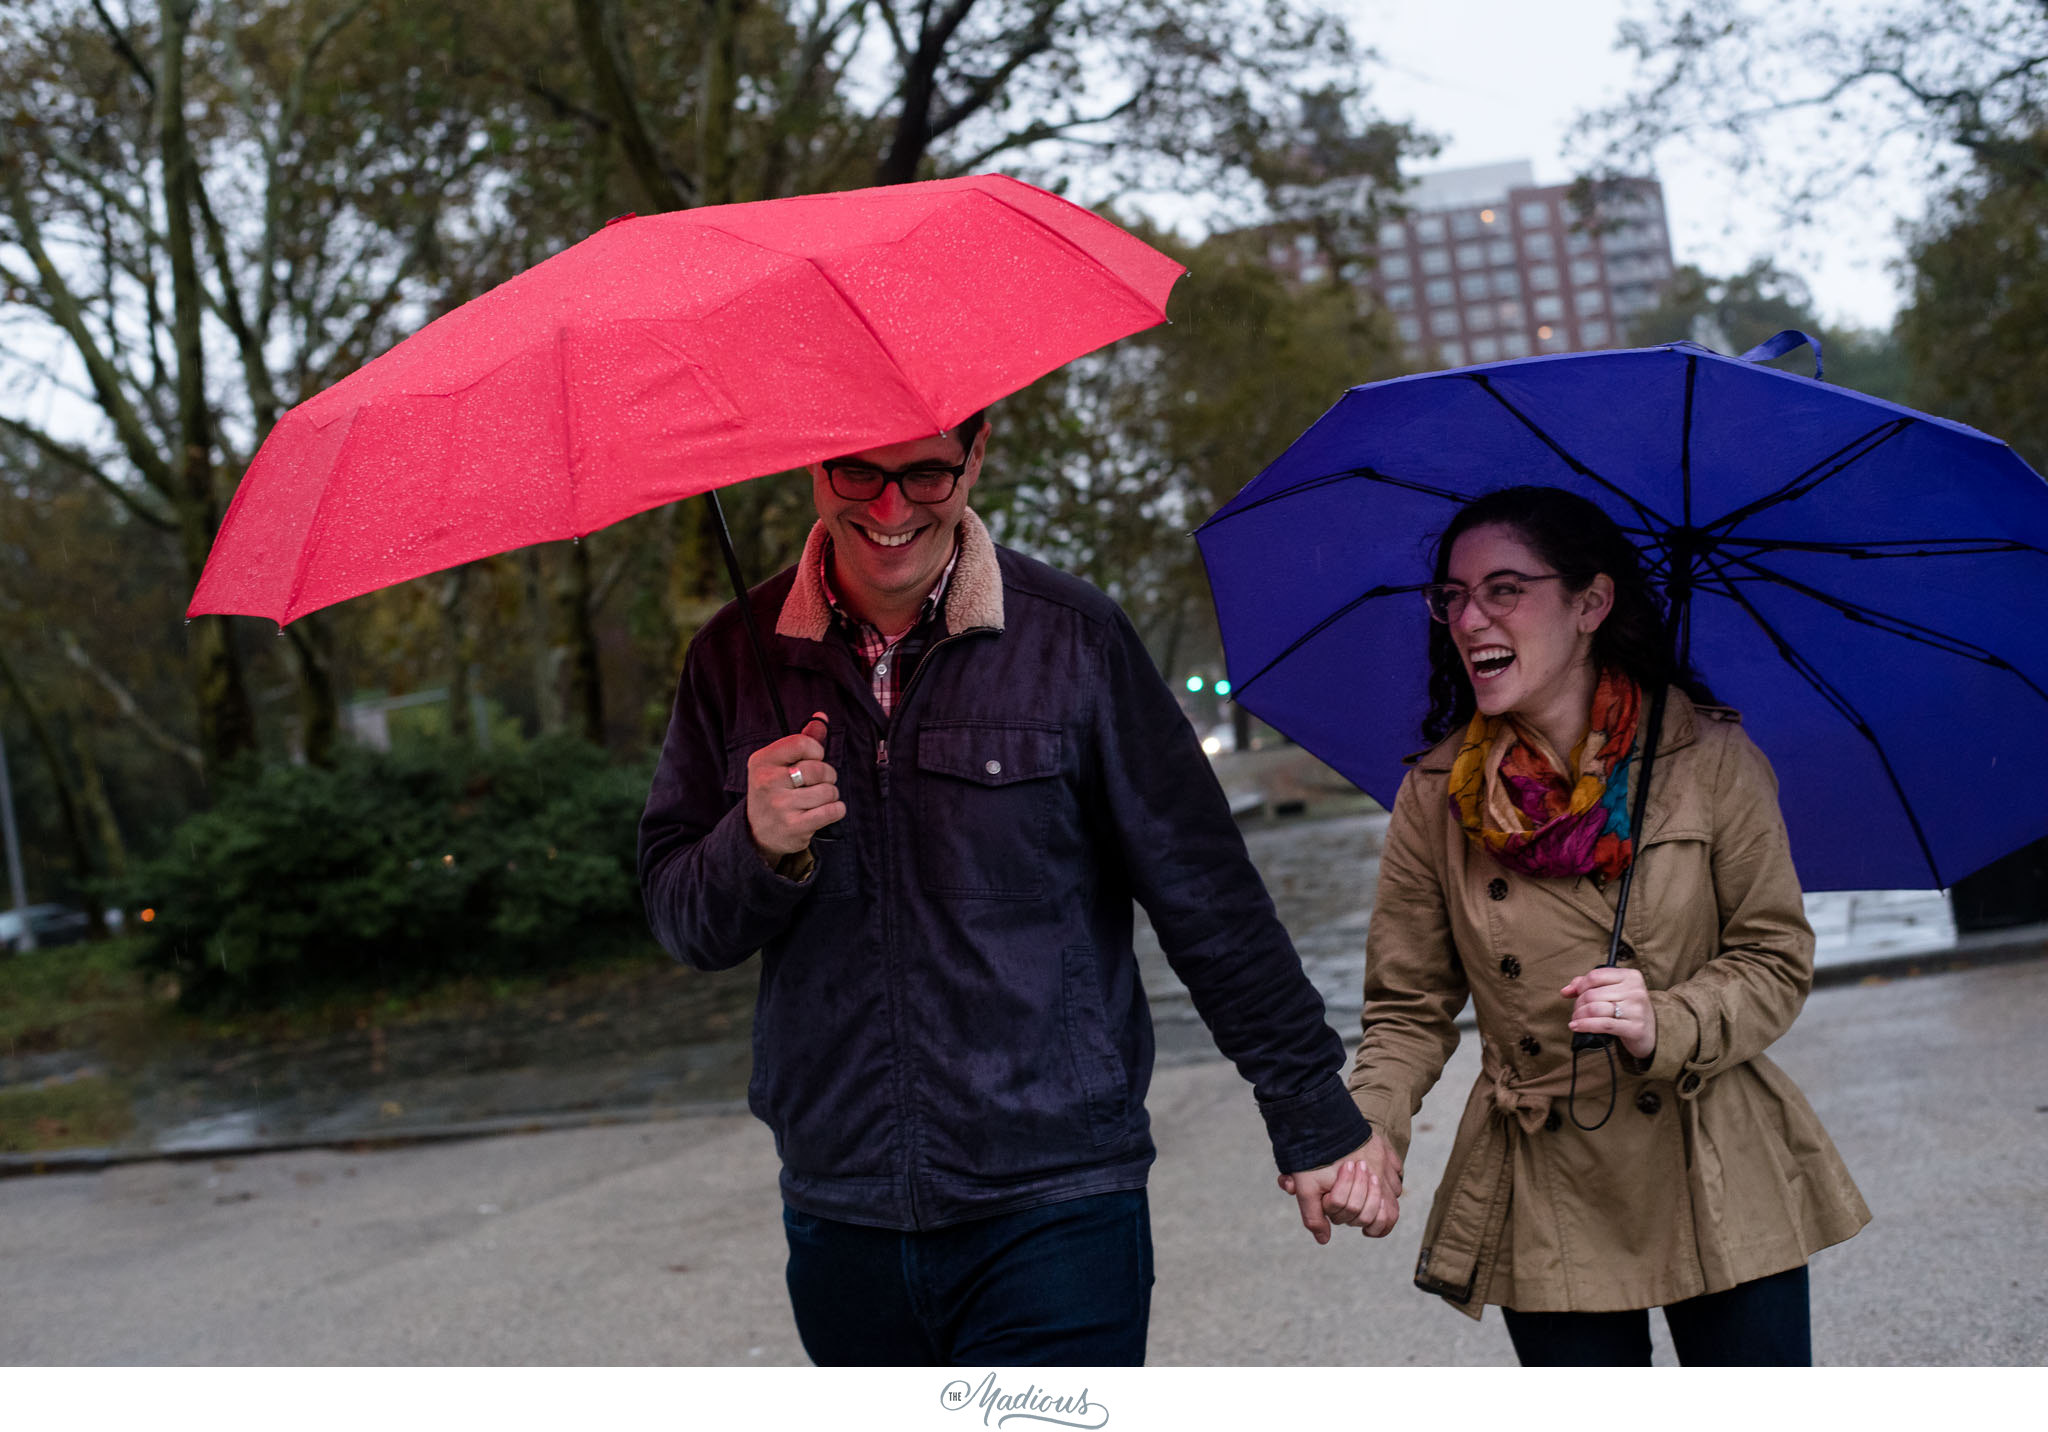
x,y
1811,100
1978,305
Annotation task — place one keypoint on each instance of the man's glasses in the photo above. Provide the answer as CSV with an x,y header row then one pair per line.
x,y
1496,596
925,483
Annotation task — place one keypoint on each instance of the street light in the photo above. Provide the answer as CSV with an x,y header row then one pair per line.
x,y
1194,683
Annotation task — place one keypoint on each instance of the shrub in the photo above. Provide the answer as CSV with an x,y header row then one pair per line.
x,y
391,871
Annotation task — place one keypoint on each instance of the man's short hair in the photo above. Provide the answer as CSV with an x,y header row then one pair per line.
x,y
968,429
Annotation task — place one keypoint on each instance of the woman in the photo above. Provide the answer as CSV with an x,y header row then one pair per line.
x,y
1710,1182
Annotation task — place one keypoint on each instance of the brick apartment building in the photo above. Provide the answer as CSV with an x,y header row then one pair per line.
x,y
1487,264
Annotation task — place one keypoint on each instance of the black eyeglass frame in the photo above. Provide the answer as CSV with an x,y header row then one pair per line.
x,y
1492,609
954,472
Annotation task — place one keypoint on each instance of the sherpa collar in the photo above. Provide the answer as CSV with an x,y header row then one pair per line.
x,y
974,598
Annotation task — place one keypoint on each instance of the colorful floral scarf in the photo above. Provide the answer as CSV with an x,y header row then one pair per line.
x,y
1542,817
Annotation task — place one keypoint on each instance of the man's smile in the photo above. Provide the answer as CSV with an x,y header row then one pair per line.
x,y
888,539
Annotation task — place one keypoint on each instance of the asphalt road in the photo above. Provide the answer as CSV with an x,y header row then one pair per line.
x,y
661,1243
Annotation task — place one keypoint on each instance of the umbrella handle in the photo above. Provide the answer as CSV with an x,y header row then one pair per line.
x,y
1779,344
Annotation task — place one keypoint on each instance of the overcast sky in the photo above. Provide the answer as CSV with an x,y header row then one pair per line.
x,y
1504,79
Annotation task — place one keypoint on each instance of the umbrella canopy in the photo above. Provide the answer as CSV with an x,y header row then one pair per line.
x,y
1867,584
664,357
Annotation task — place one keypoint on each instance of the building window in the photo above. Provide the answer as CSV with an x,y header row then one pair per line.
x,y
1465,225
1479,317
1453,354
1585,271
1444,323
1393,234
1549,306
1429,230
1411,329
1514,345
1551,340
1589,300
1539,246
1500,251
1400,297
1436,261
1535,214
1593,332
1314,273
1542,276
1438,292
1506,283
1485,350
1471,255
1578,241
1473,285
1510,314
1395,266
1279,255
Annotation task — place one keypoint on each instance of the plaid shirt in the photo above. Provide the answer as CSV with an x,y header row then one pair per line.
x,y
888,664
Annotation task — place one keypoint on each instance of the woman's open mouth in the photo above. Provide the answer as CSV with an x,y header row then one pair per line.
x,y
1489,661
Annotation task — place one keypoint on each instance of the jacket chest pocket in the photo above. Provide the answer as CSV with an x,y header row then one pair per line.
x,y
836,876
985,801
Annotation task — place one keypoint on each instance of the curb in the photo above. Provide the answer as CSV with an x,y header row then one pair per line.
x,y
1988,947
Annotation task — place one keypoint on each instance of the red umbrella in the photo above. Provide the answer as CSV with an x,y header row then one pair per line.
x,y
667,356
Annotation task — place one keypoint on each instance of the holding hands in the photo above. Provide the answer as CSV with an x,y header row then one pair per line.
x,y
791,793
1362,1190
1612,1000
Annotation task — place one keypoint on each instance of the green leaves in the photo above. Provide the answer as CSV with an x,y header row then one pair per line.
x,y
392,870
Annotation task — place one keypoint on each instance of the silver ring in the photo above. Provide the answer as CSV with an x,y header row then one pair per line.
x,y
796,776
1617,1008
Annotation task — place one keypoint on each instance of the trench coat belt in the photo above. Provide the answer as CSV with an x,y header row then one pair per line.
x,y
1467,1236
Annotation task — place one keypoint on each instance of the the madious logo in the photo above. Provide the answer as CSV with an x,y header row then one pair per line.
x,y
999,1405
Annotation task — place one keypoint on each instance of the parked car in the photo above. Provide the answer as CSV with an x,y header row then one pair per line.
x,y
52,924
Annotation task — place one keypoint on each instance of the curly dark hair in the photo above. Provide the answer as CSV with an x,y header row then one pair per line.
x,y
1580,541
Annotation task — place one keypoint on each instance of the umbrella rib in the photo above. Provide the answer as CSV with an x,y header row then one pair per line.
x,y
1843,458
1843,706
1692,373
1885,622
1905,547
1642,508
1312,484
1322,626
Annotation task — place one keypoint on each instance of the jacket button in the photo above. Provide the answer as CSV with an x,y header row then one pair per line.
x,y
994,768
1511,968
1552,1122
1625,953
1529,1045
1689,1083
1648,1101
1496,889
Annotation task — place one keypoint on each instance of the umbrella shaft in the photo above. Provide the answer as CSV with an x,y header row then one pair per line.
x,y
753,624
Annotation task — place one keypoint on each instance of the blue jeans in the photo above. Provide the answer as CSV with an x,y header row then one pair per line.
x,y
1762,1323
1068,1284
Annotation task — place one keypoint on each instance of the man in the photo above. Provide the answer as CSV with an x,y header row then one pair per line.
x,y
951,1043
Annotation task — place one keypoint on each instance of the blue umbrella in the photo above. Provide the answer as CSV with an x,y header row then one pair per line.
x,y
1867,584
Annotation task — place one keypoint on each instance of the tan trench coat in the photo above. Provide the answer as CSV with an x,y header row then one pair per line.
x,y
1713,1169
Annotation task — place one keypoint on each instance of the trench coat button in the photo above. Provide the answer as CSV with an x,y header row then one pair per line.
x,y
1689,1083
1626,953
1530,1046
994,768
1510,967
1648,1101
1552,1122
1496,889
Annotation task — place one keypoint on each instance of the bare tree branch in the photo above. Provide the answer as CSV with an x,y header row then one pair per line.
x,y
596,32
125,702
80,461
126,50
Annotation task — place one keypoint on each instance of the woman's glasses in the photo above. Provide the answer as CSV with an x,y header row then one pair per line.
x,y
1496,596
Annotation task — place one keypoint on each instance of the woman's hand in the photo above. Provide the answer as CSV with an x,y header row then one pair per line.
x,y
1363,1190
1615,1001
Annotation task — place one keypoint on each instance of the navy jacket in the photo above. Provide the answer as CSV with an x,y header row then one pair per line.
x,y
950,1022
